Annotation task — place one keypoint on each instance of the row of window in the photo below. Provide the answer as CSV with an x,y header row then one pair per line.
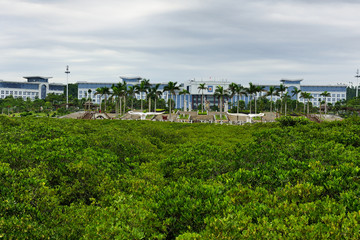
x,y
15,93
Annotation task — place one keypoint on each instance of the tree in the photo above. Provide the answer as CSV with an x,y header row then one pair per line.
x,y
308,98
171,88
251,91
201,88
156,93
89,94
325,94
184,92
296,92
259,89
281,89
272,92
132,90
103,91
304,95
142,87
221,93
119,92
233,87
286,96
240,91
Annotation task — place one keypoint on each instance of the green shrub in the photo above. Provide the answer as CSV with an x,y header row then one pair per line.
x,y
292,121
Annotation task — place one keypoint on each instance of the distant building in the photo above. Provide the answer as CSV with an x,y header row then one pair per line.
x,y
193,99
337,92
35,86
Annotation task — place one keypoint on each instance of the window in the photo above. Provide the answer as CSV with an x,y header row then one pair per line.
x,y
343,95
20,92
333,95
328,99
15,92
33,93
2,91
333,99
2,96
338,95
7,92
11,92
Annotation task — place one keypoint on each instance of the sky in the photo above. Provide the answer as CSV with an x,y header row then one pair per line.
x,y
241,41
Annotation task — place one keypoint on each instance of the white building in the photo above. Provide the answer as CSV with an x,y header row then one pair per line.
x,y
35,86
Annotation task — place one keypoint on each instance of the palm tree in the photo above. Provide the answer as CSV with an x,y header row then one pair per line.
x,y
281,89
233,87
201,88
142,87
251,91
325,95
132,90
296,92
184,92
259,89
103,91
171,88
221,93
89,94
119,91
240,91
304,95
308,98
153,92
286,96
272,92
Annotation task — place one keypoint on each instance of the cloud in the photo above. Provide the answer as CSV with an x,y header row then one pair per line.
x,y
177,40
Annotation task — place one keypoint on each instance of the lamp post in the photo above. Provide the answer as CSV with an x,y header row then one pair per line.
x,y
67,86
357,82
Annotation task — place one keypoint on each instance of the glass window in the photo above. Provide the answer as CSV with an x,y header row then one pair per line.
x,y
20,92
2,91
33,93
2,96
333,95
338,95
7,92
333,99
342,95
15,92
328,99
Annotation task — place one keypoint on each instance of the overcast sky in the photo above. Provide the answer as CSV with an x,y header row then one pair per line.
x,y
175,40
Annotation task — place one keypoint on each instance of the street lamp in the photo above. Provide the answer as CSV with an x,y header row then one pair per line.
x,y
357,82
67,86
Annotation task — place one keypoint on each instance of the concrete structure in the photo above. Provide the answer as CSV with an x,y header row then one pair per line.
x,y
337,92
193,100
35,86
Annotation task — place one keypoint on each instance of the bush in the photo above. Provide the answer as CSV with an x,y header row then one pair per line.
x,y
292,121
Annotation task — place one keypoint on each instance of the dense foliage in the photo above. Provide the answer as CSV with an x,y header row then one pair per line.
x,y
77,179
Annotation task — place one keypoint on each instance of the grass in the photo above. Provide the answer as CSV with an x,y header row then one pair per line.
x,y
184,116
223,117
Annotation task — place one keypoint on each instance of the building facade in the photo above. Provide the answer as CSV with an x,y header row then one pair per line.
x,y
193,99
337,92
35,86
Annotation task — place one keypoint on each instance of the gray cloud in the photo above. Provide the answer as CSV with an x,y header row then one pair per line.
x,y
242,41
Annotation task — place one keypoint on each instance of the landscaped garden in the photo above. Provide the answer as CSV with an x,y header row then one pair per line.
x,y
78,179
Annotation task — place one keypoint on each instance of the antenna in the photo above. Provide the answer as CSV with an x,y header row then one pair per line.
x,y
67,86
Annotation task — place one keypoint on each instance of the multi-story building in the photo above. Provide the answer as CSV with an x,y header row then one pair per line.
x,y
337,92
193,99
35,86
